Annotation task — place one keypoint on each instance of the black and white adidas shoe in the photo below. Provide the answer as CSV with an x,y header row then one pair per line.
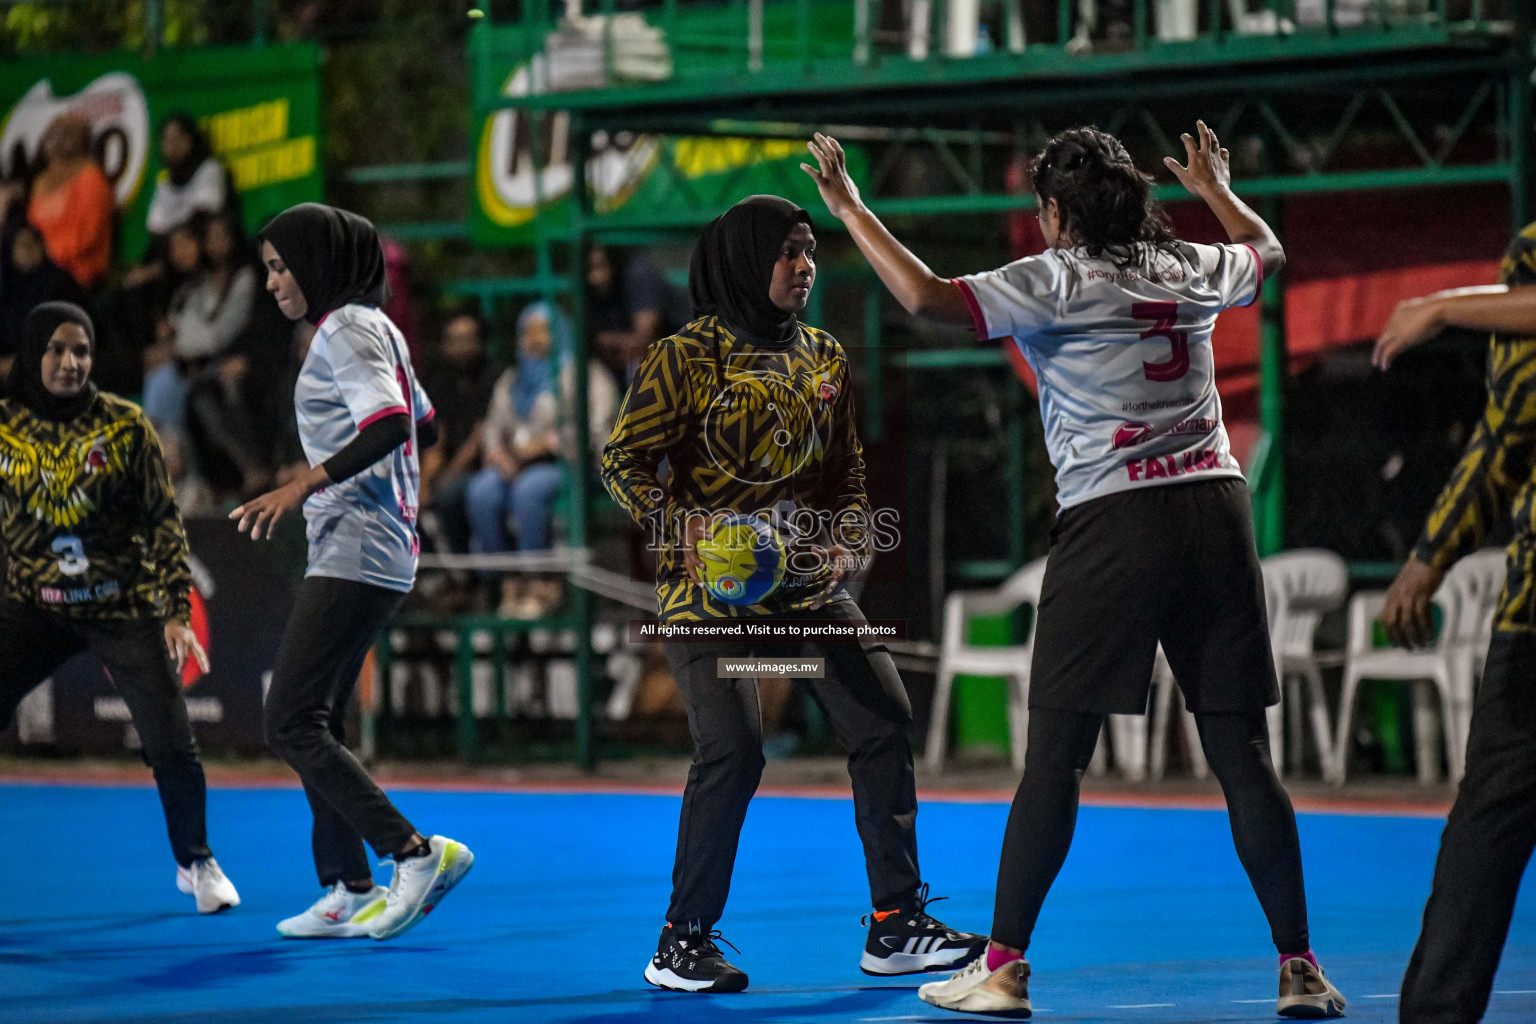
x,y
908,941
687,960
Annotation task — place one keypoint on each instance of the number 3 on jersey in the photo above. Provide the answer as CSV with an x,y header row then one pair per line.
x,y
1163,316
72,560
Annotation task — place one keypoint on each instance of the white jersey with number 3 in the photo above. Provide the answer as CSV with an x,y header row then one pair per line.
x,y
1123,356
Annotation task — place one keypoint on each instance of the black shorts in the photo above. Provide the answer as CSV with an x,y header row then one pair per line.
x,y
1174,564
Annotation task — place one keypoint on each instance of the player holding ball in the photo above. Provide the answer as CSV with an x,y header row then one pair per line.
x,y
753,412
1154,541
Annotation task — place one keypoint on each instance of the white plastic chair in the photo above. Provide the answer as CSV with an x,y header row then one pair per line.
x,y
1164,688
1476,583
1363,660
1300,587
957,657
1466,599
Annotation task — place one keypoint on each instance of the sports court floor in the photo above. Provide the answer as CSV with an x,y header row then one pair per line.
x,y
1151,921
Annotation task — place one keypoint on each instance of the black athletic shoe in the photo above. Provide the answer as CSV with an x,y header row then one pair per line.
x,y
689,961
908,941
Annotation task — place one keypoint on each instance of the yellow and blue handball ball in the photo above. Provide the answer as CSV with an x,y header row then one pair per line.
x,y
744,560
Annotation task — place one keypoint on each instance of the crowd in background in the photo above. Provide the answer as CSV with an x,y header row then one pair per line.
x,y
188,331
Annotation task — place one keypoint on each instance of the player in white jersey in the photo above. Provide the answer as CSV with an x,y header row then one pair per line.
x,y
1154,542
361,417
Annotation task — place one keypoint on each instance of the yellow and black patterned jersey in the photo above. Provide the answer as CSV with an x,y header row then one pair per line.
x,y
1496,477
88,517
747,427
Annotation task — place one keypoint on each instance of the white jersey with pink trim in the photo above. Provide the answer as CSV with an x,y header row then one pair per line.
x,y
358,370
1123,356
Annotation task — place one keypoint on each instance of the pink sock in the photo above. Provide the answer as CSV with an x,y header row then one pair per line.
x,y
997,957
1307,956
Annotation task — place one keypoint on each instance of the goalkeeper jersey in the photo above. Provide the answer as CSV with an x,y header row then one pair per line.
x,y
88,517
745,426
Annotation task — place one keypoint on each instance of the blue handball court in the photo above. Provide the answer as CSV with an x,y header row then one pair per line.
x,y
1151,921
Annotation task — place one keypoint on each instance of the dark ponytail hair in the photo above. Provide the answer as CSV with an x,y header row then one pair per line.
x,y
1104,202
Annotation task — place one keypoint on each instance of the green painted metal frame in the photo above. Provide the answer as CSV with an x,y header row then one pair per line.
x,y
810,92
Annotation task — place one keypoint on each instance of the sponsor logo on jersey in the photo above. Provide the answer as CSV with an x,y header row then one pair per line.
x,y
1133,433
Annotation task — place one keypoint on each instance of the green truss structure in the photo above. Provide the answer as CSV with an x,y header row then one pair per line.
x,y
1416,93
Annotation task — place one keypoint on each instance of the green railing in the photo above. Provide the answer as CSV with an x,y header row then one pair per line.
x,y
753,45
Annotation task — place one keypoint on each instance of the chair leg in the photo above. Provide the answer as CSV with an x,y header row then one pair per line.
x,y
1099,765
1197,762
1426,734
938,722
1322,729
1336,771
1275,715
1129,735
1451,716
1018,721
1296,726
1162,699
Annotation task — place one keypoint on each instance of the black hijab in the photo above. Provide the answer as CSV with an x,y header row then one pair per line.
x,y
182,172
26,380
733,266
334,255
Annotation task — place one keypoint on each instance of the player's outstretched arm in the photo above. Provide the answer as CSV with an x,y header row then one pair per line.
x,y
920,291
1209,176
1495,308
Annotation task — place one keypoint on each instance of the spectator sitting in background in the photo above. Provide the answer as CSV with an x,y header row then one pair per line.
x,y
193,497
191,180
460,388
216,300
72,204
525,438
279,420
211,315
28,278
629,306
165,387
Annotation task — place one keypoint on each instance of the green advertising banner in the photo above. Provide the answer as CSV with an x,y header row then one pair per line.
x,y
522,158
259,105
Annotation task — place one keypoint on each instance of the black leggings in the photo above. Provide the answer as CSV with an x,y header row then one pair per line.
x,y
1044,815
35,642
334,623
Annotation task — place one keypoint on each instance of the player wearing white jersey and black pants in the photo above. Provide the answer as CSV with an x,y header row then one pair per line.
x,y
361,415
1154,542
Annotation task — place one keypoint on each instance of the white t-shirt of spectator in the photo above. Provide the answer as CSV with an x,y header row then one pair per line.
x,y
173,205
1123,356
209,321
358,370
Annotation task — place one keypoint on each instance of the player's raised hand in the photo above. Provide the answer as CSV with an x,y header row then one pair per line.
x,y
831,176
1208,169
1412,321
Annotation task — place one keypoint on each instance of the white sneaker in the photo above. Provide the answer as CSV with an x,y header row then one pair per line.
x,y
205,880
974,989
339,914
1304,992
420,883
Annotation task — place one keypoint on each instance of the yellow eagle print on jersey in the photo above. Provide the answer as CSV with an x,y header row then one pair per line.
x,y
88,517
50,474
